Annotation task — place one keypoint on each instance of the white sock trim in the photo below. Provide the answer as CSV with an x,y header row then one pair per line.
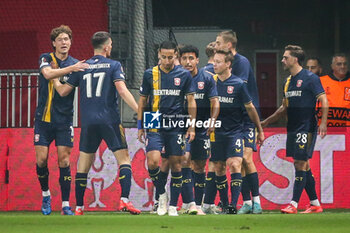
x,y
65,204
46,193
315,202
249,202
256,199
125,199
295,204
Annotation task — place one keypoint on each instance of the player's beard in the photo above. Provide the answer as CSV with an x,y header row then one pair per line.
x,y
168,67
285,67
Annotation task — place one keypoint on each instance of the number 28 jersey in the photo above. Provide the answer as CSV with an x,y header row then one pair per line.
x,y
301,92
98,94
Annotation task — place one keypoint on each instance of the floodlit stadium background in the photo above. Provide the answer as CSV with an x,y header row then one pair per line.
x,y
137,27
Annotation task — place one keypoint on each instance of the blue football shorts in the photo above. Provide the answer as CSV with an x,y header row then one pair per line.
x,y
92,135
45,133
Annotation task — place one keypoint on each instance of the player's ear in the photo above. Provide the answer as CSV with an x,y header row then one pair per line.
x,y
296,60
177,55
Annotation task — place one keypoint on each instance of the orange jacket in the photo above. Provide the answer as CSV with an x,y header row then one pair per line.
x,y
338,95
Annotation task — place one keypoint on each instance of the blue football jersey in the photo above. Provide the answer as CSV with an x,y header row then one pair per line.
x,y
233,94
241,68
53,108
98,94
301,92
209,67
166,91
205,87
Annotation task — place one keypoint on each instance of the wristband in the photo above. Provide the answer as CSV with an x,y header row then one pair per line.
x,y
139,124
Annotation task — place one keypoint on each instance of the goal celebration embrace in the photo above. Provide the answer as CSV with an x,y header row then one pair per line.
x,y
198,129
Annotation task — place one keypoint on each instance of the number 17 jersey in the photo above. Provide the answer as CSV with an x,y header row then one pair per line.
x,y
98,94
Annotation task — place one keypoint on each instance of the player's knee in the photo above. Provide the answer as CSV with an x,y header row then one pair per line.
x,y
211,166
248,163
63,159
186,163
300,165
198,168
63,163
220,169
42,162
41,159
152,164
234,164
176,167
186,160
122,156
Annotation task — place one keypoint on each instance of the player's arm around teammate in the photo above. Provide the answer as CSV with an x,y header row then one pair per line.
x,y
100,117
53,117
53,72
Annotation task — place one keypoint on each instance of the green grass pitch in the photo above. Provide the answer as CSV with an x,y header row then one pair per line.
x,y
331,221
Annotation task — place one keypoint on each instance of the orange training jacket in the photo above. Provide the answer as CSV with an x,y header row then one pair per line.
x,y
338,95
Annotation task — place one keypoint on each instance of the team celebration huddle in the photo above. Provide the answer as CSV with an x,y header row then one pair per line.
x,y
197,124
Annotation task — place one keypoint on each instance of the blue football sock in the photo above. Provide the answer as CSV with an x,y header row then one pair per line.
x,y
221,185
245,189
199,185
254,183
157,182
80,186
187,185
310,186
163,177
210,188
236,182
43,177
125,179
175,187
65,182
299,184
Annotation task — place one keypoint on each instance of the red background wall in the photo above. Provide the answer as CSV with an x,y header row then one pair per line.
x,y
25,28
23,190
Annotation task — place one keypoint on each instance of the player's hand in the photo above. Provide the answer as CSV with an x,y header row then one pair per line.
x,y
56,81
260,138
54,65
210,130
322,130
80,66
190,134
141,136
